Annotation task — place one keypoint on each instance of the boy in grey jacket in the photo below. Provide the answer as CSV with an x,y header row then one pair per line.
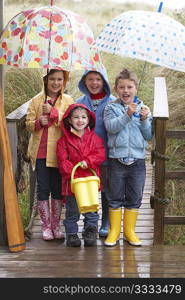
x,y
129,126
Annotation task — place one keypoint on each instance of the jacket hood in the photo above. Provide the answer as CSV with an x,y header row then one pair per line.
x,y
67,114
82,86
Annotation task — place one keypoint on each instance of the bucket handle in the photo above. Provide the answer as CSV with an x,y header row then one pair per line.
x,y
78,165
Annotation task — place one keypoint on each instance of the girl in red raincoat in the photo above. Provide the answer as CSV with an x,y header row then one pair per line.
x,y
78,144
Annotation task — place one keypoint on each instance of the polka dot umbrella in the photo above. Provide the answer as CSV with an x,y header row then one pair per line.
x,y
48,37
150,36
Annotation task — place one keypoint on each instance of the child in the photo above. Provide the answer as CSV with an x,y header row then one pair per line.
x,y
43,121
129,127
79,144
96,90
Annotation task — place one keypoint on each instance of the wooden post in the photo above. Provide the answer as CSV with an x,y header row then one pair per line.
x,y
160,138
160,115
3,235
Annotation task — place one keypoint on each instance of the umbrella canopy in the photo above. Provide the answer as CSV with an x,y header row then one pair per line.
x,y
150,36
48,37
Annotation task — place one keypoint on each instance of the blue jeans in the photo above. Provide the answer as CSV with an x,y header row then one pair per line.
x,y
48,181
91,219
72,217
126,183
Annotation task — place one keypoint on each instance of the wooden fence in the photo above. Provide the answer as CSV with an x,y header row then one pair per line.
x,y
158,158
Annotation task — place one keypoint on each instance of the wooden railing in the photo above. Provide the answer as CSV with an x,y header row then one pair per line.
x,y
161,175
15,123
18,133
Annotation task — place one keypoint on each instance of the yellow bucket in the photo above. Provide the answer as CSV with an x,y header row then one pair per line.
x,y
86,191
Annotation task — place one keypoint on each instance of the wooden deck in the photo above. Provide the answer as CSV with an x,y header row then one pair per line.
x,y
52,259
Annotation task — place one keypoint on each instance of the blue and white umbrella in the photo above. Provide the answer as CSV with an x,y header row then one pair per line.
x,y
150,36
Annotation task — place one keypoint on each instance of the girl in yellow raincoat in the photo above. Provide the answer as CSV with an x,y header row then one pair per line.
x,y
43,120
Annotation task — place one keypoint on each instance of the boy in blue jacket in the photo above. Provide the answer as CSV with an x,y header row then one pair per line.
x,y
129,125
95,87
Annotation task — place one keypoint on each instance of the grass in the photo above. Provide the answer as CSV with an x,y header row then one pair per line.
x,y
24,208
21,85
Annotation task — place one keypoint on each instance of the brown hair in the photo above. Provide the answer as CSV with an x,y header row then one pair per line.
x,y
67,125
126,74
50,72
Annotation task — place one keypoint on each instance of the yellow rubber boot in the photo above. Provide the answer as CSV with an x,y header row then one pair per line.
x,y
115,215
130,217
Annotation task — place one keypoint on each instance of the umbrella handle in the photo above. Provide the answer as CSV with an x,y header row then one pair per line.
x,y
46,87
160,7
137,115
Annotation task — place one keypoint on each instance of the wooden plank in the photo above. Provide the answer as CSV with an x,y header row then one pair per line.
x,y
52,274
140,222
175,134
142,235
174,220
176,174
160,109
141,228
123,268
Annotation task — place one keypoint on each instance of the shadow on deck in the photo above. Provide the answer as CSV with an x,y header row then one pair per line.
x,y
52,259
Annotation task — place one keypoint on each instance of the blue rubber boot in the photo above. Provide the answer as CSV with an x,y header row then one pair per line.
x,y
103,232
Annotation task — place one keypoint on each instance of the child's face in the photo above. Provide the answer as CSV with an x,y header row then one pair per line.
x,y
55,83
126,90
94,83
79,119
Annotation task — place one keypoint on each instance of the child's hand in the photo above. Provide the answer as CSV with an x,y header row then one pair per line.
x,y
43,120
46,108
144,112
132,109
84,165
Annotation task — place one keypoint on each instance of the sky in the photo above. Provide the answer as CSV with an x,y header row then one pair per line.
x,y
171,4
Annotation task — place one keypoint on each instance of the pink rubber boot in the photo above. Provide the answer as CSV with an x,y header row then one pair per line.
x,y
56,208
43,209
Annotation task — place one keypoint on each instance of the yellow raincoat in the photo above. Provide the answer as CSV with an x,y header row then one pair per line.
x,y
54,131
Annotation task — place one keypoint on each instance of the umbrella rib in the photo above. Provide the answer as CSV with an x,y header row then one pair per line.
x,y
24,40
72,39
144,66
49,46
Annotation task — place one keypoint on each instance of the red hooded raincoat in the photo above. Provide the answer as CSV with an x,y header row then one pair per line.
x,y
72,149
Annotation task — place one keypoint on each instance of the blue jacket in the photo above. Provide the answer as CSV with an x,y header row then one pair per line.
x,y
127,137
86,99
